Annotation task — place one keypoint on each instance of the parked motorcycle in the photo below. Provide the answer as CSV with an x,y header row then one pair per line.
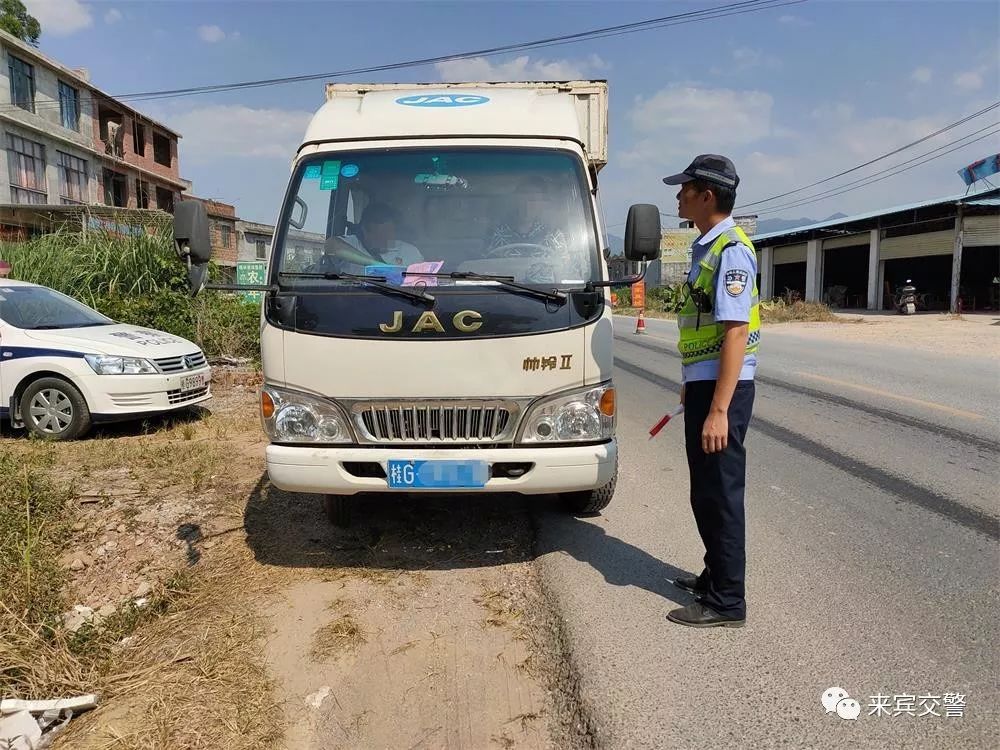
x,y
906,299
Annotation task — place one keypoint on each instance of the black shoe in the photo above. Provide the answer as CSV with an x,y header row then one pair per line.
x,y
691,583
697,615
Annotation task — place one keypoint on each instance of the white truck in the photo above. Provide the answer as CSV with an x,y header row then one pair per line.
x,y
454,334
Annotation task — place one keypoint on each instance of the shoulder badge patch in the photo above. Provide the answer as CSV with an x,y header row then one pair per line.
x,y
736,281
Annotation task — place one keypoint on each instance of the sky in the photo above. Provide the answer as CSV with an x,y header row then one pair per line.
x,y
791,94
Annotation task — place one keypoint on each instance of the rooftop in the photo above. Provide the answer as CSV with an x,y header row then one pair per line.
x,y
73,76
987,197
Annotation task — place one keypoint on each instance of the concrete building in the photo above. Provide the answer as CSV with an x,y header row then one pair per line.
x,y
949,247
253,241
65,142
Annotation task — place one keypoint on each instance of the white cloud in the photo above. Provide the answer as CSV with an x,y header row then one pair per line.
x,y
970,80
680,121
113,16
60,17
519,69
922,74
746,58
234,132
211,34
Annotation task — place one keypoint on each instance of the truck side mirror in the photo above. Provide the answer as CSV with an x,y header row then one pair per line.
x,y
193,242
642,233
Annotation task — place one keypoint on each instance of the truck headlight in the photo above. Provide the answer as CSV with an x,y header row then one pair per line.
x,y
292,417
103,365
573,417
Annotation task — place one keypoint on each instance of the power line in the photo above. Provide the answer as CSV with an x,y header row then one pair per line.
x,y
878,158
677,19
826,193
886,177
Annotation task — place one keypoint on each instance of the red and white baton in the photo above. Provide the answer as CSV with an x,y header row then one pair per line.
x,y
663,422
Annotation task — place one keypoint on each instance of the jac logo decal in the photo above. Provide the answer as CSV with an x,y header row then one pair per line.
x,y
443,100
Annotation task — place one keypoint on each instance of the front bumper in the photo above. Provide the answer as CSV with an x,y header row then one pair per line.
x,y
556,469
112,397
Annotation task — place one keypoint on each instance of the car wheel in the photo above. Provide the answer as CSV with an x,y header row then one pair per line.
x,y
54,409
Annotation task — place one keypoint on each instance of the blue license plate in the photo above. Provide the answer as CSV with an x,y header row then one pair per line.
x,y
434,475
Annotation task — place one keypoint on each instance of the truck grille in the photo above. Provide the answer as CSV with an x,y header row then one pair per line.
x,y
180,364
436,422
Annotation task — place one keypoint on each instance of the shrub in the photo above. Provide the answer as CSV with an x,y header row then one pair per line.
x,y
138,279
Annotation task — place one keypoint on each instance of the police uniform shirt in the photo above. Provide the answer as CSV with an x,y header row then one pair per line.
x,y
734,284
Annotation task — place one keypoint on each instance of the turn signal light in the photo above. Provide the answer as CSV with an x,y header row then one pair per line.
x,y
608,403
266,405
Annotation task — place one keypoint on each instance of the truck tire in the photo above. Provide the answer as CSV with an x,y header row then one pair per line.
x,y
53,409
338,509
590,501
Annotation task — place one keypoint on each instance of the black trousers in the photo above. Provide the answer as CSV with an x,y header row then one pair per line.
x,y
718,481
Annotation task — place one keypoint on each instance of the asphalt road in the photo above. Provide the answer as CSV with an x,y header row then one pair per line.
x,y
873,558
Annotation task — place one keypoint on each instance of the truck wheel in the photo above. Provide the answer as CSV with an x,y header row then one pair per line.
x,y
338,509
590,501
54,409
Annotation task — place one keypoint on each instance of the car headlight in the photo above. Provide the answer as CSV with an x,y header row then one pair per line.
x,y
572,417
104,365
292,417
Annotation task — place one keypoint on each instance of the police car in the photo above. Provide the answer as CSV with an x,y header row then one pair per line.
x,y
64,366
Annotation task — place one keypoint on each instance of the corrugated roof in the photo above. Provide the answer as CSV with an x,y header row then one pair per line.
x,y
991,196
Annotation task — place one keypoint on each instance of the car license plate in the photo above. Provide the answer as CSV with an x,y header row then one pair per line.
x,y
193,382
430,475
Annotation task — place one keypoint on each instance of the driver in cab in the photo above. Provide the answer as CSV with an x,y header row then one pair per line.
x,y
530,233
374,242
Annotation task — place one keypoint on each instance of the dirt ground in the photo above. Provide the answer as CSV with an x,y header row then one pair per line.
x,y
976,335
422,625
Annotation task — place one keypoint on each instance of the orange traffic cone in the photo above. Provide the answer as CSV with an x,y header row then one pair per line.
x,y
640,324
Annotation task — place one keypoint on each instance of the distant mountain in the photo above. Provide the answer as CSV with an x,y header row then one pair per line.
x,y
617,244
766,226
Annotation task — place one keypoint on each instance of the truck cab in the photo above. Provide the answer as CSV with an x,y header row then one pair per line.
x,y
437,315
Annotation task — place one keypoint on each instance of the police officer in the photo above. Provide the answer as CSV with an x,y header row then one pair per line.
x,y
719,336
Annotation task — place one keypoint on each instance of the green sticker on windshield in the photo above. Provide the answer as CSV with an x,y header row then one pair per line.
x,y
331,175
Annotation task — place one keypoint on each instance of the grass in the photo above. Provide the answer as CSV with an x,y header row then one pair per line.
x,y
137,280
343,634
181,671
770,313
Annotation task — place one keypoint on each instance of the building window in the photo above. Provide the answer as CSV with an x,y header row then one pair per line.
x,y
22,83
72,179
161,149
165,200
26,168
69,106
139,138
225,235
115,189
261,249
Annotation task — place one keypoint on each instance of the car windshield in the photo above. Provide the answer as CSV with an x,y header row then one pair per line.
x,y
521,213
40,308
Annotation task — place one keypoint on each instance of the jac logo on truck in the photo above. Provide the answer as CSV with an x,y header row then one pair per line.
x,y
465,321
443,100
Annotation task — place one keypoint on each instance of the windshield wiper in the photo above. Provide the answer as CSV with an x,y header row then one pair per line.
x,y
376,282
507,281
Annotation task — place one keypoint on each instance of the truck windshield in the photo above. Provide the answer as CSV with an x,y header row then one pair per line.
x,y
521,213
